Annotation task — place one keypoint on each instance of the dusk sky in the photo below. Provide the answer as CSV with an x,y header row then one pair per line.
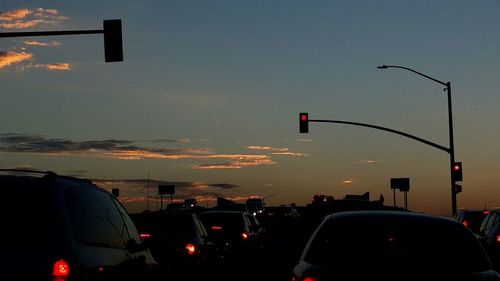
x,y
208,95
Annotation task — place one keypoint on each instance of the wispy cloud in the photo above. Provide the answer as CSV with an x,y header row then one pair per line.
x,y
10,58
16,14
369,161
283,151
51,66
348,181
125,150
42,43
243,161
266,148
26,18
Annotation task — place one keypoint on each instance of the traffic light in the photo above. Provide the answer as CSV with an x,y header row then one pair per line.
x,y
457,171
113,46
303,122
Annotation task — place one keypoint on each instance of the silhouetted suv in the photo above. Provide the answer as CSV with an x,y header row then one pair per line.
x,y
231,232
177,239
62,228
390,245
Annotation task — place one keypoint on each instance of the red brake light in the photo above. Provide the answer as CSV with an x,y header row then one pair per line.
x,y
145,235
310,279
215,227
497,238
191,249
60,269
244,235
465,223
486,212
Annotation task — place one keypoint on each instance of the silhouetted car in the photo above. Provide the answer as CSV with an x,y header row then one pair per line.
x,y
62,228
390,245
281,212
489,234
178,240
230,231
471,218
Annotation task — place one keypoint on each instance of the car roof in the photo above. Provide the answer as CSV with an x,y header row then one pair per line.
x,y
35,174
390,214
222,212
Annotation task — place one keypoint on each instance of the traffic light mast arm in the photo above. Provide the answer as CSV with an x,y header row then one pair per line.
x,y
49,33
384,129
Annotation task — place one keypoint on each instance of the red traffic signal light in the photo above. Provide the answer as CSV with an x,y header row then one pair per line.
x,y
457,171
303,122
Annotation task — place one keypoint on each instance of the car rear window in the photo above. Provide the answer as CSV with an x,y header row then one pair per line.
x,y
229,222
170,226
25,214
94,218
395,244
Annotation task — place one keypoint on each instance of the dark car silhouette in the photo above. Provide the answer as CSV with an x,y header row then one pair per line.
x,y
489,234
62,228
390,245
177,239
231,232
471,218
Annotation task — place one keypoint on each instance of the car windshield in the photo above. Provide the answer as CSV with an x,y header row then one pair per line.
x,y
396,245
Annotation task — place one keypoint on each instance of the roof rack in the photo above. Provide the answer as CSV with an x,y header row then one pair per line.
x,y
48,173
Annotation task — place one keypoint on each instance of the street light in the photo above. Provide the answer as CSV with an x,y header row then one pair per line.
x,y
451,150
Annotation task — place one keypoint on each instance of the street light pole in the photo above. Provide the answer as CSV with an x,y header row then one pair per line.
x,y
451,150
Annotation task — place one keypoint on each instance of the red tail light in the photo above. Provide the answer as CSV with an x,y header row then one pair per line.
x,y
145,235
497,238
191,249
486,212
244,235
465,223
216,227
60,270
310,279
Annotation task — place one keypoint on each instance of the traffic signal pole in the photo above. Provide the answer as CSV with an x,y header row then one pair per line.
x,y
451,150
450,130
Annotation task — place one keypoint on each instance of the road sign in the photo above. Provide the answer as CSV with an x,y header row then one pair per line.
x,y
166,189
403,184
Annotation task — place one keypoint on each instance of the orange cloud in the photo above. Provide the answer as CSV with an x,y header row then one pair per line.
x,y
15,14
276,151
25,18
236,164
9,58
268,148
347,181
54,66
289,154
